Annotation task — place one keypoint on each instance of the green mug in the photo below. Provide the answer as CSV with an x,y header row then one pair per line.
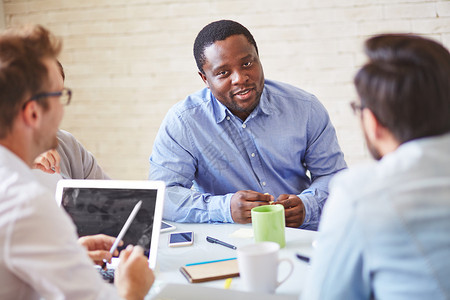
x,y
269,224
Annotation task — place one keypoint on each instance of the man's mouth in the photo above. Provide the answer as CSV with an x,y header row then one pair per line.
x,y
244,94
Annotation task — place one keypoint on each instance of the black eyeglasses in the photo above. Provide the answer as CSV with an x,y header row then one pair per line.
x,y
64,96
357,108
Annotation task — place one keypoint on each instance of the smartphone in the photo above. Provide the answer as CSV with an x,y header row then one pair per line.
x,y
177,239
166,227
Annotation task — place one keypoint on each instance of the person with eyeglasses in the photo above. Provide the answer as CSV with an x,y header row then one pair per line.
x,y
384,232
40,254
70,159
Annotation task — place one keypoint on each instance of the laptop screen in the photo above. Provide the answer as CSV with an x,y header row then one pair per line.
x,y
103,206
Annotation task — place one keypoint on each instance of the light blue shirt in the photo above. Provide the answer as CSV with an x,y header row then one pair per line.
x,y
385,230
205,154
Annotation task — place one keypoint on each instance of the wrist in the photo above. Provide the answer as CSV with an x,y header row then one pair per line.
x,y
131,294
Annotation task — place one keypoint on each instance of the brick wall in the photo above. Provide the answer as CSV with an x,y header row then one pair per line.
x,y
129,61
2,16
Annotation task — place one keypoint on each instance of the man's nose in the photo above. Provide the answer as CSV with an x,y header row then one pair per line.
x,y
239,77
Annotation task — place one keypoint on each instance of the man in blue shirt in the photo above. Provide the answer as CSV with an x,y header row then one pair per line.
x,y
385,229
243,141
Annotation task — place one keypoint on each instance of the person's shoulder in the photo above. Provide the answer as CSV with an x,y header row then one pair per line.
x,y
65,135
284,96
18,182
194,106
192,102
66,141
286,90
357,182
68,144
13,169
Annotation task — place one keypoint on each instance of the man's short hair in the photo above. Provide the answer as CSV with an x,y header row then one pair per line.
x,y
22,71
406,84
217,31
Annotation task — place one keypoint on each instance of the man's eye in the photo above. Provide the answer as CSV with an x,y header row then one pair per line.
x,y
247,64
222,73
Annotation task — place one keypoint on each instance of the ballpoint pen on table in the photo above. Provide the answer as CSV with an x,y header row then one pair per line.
x,y
216,241
303,258
123,230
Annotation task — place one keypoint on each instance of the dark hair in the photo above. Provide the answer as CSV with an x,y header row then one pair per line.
x,y
217,31
22,70
406,84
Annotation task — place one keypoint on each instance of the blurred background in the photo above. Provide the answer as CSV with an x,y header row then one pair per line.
x,y
129,61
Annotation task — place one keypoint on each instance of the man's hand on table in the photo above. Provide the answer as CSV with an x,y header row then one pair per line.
x,y
242,203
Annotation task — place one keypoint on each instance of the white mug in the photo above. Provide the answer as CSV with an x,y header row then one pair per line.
x,y
258,266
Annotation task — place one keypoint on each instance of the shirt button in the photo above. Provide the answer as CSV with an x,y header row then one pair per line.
x,y
244,125
253,154
228,118
263,183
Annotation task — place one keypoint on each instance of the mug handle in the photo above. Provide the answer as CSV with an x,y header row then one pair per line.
x,y
290,271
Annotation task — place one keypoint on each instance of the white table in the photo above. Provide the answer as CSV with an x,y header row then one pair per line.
x,y
170,259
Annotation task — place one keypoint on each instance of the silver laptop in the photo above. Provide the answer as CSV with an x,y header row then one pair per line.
x,y
103,206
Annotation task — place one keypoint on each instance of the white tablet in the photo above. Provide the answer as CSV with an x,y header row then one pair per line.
x,y
103,206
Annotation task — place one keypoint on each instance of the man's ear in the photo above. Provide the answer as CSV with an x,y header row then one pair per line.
x,y
204,78
370,124
31,113
373,128
378,135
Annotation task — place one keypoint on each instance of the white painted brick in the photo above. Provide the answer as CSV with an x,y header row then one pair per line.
x,y
443,8
409,11
129,61
358,13
446,39
384,26
431,26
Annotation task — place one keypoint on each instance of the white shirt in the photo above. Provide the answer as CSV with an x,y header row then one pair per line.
x,y
385,230
39,253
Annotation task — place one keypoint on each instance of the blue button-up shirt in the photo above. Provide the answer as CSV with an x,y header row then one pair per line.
x,y
205,154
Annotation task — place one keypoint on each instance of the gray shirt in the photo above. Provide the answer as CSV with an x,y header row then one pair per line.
x,y
76,161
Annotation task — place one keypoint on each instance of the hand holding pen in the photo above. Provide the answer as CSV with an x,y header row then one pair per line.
x,y
98,247
124,229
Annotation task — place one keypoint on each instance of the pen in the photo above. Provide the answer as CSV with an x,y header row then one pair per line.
x,y
208,262
216,241
123,230
304,258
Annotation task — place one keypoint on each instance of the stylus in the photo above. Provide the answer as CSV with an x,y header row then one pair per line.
x,y
216,241
124,230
